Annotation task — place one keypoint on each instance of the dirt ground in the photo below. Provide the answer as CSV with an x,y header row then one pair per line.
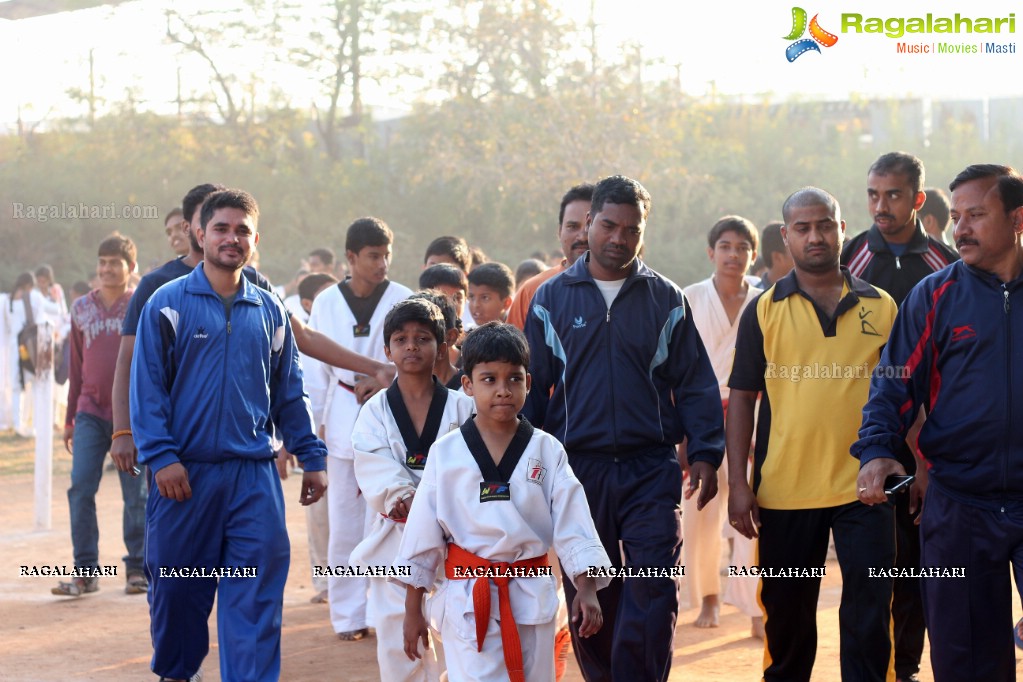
x,y
105,636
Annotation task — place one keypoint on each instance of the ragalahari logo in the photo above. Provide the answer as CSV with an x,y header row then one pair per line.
x,y
817,35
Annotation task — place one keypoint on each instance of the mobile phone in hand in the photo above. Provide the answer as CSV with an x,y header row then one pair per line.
x,y
897,484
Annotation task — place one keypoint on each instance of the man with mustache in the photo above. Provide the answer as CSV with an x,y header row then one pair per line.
x,y
620,376
894,254
572,235
215,362
808,345
955,351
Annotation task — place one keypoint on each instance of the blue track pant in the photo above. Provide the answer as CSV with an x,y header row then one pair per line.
x,y
635,501
234,520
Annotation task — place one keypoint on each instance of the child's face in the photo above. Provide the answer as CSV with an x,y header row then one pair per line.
x,y
370,265
413,349
732,254
486,304
499,390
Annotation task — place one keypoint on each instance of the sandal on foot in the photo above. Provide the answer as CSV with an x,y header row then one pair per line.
x,y
136,583
76,588
353,635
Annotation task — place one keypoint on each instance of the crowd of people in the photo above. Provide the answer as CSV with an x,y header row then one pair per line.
x,y
449,440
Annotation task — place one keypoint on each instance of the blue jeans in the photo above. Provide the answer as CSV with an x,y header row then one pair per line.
x,y
90,447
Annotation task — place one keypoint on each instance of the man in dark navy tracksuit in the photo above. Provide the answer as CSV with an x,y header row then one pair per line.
x,y
215,364
620,376
895,254
954,351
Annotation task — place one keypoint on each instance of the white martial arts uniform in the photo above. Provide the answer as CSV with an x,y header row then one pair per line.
x,y
547,506
702,530
347,508
385,477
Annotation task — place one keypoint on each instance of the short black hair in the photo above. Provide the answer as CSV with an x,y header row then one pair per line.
x,y
45,270
311,284
195,198
771,242
936,205
229,198
452,317
737,224
810,196
477,257
174,213
365,232
531,267
324,254
443,274
1010,183
414,310
118,245
618,189
494,342
581,192
497,276
900,163
455,248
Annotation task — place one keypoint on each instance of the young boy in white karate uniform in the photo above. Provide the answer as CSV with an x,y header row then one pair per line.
x,y
495,496
717,304
352,314
392,437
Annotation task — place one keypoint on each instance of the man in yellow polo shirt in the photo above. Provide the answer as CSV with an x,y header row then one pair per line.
x,y
810,344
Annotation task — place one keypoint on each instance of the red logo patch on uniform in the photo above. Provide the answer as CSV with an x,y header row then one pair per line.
x,y
535,472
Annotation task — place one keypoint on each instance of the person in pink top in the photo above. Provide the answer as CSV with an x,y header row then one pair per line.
x,y
95,337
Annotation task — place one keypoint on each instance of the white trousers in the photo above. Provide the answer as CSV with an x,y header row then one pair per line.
x,y
317,521
466,664
387,615
701,540
348,523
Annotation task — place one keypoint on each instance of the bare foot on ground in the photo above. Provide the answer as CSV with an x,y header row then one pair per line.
x,y
708,617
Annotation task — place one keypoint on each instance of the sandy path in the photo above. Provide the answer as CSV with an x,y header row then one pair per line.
x,y
105,636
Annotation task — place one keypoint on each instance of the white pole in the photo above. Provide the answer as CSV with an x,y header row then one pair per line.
x,y
42,420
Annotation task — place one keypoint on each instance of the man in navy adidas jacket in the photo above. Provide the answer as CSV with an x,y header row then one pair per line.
x,y
953,350
620,376
214,364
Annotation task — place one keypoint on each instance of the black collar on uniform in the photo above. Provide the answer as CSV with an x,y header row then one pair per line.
x,y
918,243
789,285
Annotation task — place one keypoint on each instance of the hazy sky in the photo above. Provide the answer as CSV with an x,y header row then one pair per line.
x,y
739,45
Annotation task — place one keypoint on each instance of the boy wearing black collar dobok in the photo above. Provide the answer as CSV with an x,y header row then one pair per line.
x,y
391,439
496,495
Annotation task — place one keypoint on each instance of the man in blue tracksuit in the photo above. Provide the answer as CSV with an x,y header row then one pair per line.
x,y
954,350
620,376
214,367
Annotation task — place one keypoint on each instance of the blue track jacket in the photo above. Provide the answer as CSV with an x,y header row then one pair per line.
x,y
626,379
955,349
206,389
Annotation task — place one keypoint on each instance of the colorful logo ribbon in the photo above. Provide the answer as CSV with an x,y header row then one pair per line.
x,y
818,35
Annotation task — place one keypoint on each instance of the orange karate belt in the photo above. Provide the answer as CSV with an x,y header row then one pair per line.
x,y
458,557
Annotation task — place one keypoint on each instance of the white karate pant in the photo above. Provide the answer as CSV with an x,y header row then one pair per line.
x,y
701,540
317,521
387,615
466,664
348,517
